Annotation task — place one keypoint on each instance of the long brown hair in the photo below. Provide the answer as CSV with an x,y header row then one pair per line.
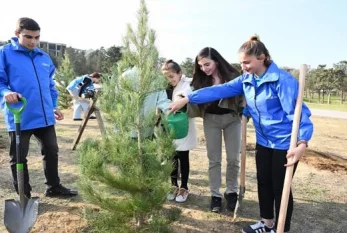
x,y
227,71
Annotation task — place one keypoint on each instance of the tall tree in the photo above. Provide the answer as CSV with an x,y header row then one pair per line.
x,y
103,60
78,60
112,56
237,66
161,61
318,81
126,177
63,77
188,67
330,82
341,76
95,60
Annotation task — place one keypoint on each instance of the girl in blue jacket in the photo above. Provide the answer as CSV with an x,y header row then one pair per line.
x,y
271,95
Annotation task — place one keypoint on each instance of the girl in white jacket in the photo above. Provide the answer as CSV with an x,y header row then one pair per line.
x,y
179,84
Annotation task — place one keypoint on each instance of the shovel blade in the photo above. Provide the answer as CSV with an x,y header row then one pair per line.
x,y
20,217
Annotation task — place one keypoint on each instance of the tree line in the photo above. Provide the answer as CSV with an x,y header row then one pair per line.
x,y
323,83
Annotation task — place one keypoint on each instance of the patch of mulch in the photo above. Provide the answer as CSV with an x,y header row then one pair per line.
x,y
319,160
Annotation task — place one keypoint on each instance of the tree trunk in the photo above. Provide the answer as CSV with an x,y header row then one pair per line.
x,y
329,97
342,96
311,95
139,142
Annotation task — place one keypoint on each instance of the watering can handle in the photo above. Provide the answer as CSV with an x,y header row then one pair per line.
x,y
17,111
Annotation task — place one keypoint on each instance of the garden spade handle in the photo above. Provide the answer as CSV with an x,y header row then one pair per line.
x,y
20,175
293,140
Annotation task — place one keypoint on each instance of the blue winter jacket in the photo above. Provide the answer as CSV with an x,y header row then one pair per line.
x,y
29,73
270,103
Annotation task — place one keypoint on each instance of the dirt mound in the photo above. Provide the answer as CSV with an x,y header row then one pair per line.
x,y
324,161
319,160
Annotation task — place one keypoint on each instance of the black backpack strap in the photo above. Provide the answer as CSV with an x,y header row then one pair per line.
x,y
86,82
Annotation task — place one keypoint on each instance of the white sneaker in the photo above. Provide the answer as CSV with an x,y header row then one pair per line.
x,y
258,228
172,195
182,195
164,162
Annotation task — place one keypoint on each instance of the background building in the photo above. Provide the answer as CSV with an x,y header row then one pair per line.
x,y
56,49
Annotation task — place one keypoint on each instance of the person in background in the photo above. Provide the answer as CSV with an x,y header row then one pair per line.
x,y
77,88
153,101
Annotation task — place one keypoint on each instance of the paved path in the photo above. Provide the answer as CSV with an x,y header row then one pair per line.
x,y
329,113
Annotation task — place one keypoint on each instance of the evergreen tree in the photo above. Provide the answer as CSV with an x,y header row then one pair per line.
x,y
126,177
188,67
63,77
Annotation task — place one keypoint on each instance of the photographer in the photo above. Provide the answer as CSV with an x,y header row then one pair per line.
x,y
81,89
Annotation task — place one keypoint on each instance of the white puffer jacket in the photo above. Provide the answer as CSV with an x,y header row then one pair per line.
x,y
189,142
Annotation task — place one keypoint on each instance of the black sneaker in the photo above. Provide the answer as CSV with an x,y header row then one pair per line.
x,y
28,195
231,200
61,191
216,204
77,119
258,228
92,117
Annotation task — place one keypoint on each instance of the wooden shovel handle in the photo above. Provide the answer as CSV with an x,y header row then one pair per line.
x,y
243,151
293,141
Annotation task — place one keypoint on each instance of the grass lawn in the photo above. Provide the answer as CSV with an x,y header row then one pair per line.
x,y
334,107
335,103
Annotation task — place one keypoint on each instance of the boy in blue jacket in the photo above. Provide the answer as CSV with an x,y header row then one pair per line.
x,y
26,71
271,95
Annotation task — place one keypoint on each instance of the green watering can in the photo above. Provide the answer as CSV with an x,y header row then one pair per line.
x,y
178,123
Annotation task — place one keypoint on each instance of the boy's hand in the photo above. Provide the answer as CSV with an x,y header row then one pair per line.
x,y
58,114
12,97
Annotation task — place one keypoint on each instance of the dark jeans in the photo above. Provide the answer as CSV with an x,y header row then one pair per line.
x,y
183,157
49,148
270,175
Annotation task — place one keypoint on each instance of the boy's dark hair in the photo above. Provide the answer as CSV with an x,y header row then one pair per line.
x,y
27,24
226,71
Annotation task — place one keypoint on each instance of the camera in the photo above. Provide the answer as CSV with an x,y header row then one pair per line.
x,y
88,94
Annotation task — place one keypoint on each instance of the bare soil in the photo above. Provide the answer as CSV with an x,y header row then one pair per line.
x,y
319,185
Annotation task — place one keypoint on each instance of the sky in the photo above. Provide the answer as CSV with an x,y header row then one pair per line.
x,y
294,31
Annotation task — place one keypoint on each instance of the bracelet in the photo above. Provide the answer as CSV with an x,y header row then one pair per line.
x,y
302,142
